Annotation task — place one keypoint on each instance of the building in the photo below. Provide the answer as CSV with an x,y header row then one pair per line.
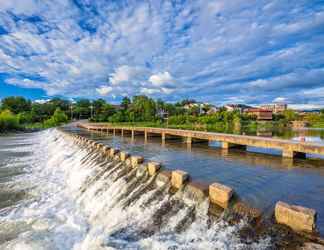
x,y
212,110
236,107
275,107
260,114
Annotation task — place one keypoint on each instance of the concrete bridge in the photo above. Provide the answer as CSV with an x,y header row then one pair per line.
x,y
289,148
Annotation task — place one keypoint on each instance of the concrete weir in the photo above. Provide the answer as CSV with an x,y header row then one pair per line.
x,y
299,219
289,148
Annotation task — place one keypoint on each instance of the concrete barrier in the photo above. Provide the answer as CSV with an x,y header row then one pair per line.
x,y
153,167
220,194
124,156
296,217
179,178
113,151
136,160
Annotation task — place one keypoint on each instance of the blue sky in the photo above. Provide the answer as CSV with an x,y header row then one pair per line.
x,y
216,51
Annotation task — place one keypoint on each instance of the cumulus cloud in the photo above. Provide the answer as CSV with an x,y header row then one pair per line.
x,y
104,90
124,73
178,50
161,78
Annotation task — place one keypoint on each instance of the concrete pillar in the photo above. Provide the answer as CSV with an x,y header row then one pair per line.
x,y
220,194
153,167
178,178
189,140
163,137
145,136
133,135
136,160
122,132
296,217
289,153
113,151
228,145
114,132
124,156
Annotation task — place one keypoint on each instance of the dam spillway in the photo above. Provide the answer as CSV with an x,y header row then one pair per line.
x,y
260,180
77,198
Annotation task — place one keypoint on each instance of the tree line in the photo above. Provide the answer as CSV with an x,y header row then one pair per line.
x,y
19,112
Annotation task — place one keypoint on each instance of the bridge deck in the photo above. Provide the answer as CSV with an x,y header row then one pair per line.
x,y
289,148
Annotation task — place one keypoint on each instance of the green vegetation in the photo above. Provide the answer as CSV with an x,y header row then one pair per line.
x,y
19,113
8,121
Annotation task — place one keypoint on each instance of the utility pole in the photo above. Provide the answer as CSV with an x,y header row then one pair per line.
x,y
71,109
91,107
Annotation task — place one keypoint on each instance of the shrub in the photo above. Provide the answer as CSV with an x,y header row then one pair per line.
x,y
58,118
8,121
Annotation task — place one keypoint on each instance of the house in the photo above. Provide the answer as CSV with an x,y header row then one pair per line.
x,y
260,114
275,107
236,107
212,110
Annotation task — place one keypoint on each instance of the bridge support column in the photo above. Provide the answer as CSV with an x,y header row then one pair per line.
x,y
228,145
133,135
163,139
189,140
122,132
288,153
145,136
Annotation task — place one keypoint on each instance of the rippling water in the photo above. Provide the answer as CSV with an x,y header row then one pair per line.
x,y
57,195
259,179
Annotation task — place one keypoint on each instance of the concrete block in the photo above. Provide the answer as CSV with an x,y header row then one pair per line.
x,y
105,149
136,160
153,167
220,194
113,151
296,217
178,178
124,156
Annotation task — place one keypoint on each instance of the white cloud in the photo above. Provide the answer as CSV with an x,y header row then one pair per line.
x,y
124,73
280,99
104,90
42,101
161,78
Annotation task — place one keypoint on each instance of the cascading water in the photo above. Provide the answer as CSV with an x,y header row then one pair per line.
x,y
78,199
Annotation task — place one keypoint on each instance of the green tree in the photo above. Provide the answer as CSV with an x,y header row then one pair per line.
x,y
125,103
143,108
8,121
58,118
290,115
82,108
16,104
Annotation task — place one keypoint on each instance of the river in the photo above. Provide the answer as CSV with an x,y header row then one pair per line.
x,y
58,195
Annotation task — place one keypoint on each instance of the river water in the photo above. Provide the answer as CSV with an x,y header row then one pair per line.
x,y
58,195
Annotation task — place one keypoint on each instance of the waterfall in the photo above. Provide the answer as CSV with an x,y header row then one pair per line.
x,y
81,199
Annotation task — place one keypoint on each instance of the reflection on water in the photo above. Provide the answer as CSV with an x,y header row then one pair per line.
x,y
259,179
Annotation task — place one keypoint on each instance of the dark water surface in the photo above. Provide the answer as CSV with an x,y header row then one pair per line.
x,y
259,179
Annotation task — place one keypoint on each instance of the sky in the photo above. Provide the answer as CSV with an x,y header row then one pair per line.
x,y
217,51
